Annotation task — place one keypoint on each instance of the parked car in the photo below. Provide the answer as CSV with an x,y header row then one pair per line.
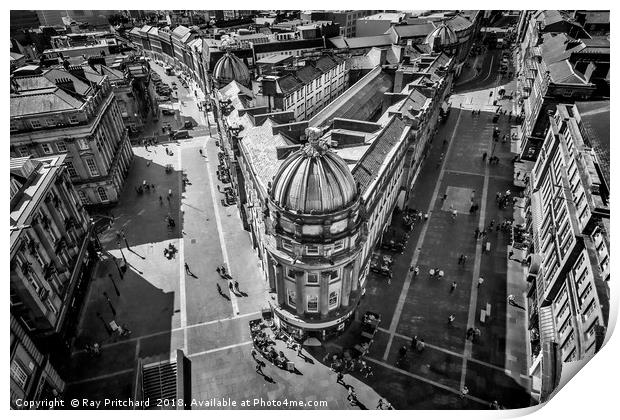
x,y
181,134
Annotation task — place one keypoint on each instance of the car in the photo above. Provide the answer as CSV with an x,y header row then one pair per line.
x,y
181,134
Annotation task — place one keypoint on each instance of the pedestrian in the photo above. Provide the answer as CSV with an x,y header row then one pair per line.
x,y
352,395
477,233
444,197
368,372
236,285
480,281
414,342
461,257
453,287
259,369
484,156
390,278
425,216
510,254
454,214
160,200
340,378
380,404
420,346
187,268
254,355
416,271
464,391
511,300
451,319
464,260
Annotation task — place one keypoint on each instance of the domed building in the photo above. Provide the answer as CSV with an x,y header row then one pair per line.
x,y
443,39
314,205
229,68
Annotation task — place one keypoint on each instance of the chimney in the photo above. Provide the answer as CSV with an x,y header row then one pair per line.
x,y
383,56
589,72
65,84
78,71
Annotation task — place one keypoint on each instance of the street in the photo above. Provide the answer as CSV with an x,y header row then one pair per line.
x,y
167,307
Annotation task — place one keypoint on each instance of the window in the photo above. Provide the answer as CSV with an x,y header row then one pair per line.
x,y
83,197
338,245
46,148
286,244
73,119
50,306
50,122
18,374
14,126
333,274
312,250
92,167
33,282
313,304
103,196
35,124
291,297
313,278
290,273
23,151
83,144
71,169
333,299
61,146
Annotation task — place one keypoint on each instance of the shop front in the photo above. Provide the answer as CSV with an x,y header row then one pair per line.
x,y
302,330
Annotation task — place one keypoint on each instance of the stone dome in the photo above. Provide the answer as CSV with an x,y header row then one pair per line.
x,y
314,180
229,68
442,37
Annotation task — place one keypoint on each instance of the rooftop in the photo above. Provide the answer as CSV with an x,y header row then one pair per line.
x,y
595,119
358,102
33,191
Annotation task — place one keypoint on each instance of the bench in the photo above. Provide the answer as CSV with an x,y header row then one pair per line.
x,y
483,315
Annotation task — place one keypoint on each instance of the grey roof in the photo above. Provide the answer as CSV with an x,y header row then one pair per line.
x,y
413,31
361,42
595,119
367,169
358,102
43,101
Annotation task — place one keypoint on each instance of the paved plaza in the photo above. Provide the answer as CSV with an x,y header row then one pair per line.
x,y
168,308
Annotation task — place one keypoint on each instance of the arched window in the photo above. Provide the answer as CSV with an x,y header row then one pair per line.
x,y
83,197
333,299
103,196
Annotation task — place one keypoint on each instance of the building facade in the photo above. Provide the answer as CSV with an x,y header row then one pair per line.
x,y
304,89
567,227
33,377
69,110
315,220
50,249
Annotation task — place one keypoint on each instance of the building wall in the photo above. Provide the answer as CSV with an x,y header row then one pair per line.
x,y
44,258
97,144
314,96
569,261
33,378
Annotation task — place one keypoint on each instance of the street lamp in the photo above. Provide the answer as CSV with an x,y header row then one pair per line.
x,y
107,298
114,284
121,249
105,324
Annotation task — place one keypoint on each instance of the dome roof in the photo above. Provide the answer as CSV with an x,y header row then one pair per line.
x,y
229,68
314,180
442,36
